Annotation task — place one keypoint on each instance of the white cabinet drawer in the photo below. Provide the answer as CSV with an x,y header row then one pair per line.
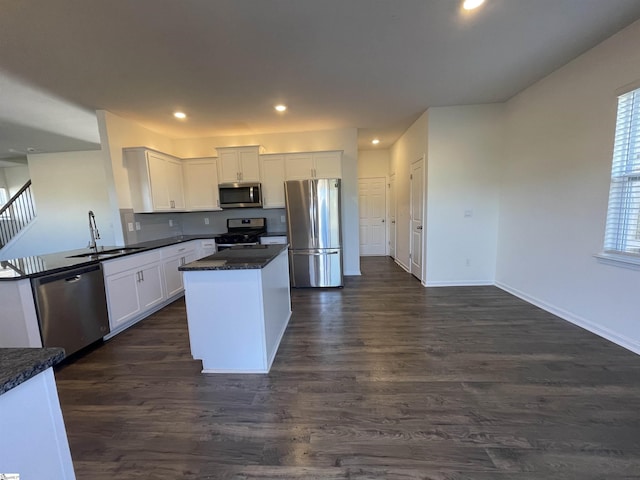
x,y
128,262
179,249
279,240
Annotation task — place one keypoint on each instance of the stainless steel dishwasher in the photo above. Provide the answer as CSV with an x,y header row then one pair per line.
x,y
71,308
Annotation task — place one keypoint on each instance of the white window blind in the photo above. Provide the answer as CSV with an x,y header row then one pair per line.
x,y
622,234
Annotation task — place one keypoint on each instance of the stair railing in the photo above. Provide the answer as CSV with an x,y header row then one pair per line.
x,y
16,214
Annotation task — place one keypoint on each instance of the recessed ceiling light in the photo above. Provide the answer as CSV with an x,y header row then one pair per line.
x,y
180,115
375,141
471,4
280,108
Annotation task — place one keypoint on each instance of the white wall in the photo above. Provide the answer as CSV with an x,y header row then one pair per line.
x,y
374,163
411,146
15,178
554,192
342,139
117,133
65,187
464,158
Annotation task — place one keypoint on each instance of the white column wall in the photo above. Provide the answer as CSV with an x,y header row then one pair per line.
x,y
117,133
464,158
411,146
559,138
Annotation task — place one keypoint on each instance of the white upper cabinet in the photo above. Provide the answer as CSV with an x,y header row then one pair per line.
x,y
238,164
272,173
299,166
327,164
201,184
155,179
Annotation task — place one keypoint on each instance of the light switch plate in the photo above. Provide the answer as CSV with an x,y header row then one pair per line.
x,y
206,220
282,219
138,226
170,223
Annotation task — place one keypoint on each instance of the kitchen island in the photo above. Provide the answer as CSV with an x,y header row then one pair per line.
x,y
33,439
238,307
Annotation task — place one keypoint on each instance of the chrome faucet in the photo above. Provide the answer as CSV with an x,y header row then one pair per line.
x,y
93,230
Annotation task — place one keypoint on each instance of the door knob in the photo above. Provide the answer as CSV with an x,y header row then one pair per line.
x,y
419,227
383,220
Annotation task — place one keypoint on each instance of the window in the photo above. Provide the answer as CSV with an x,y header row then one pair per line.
x,y
622,234
4,197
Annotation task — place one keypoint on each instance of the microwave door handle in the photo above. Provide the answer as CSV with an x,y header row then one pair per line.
x,y
251,194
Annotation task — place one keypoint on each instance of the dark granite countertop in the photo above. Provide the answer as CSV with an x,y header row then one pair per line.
x,y
38,265
248,257
17,365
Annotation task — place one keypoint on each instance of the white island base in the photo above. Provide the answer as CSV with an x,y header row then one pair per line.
x,y
237,317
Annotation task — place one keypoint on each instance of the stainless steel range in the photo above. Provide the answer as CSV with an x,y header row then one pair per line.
x,y
242,231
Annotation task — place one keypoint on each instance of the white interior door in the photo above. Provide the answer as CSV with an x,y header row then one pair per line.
x,y
416,218
372,202
392,216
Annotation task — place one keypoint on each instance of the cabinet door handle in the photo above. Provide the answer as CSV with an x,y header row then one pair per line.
x,y
142,275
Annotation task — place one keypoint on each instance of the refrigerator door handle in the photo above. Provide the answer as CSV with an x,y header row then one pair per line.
x,y
315,254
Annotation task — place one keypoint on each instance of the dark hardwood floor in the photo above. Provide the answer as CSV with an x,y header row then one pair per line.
x,y
383,379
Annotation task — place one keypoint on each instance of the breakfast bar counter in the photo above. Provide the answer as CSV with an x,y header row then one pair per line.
x,y
238,307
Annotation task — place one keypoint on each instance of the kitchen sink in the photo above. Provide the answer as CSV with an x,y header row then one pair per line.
x,y
106,253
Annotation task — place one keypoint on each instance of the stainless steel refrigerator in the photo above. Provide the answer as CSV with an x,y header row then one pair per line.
x,y
315,234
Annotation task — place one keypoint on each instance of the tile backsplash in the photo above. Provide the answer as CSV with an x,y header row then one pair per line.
x,y
164,225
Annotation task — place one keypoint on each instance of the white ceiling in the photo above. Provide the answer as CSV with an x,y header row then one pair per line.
x,y
371,64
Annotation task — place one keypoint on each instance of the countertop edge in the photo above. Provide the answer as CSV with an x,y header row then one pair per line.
x,y
202,264
17,365
142,247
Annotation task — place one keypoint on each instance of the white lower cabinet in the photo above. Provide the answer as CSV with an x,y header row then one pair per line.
x,y
206,248
139,284
274,240
134,285
172,258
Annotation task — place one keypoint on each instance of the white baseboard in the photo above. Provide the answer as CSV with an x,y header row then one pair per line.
x,y
594,328
459,283
402,265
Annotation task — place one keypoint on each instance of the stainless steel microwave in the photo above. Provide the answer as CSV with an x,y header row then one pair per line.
x,y
240,195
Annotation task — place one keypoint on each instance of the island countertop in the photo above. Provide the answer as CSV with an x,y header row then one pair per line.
x,y
246,257
17,365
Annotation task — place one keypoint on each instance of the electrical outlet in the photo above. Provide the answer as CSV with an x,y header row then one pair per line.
x,y
138,227
206,220
170,223
130,226
282,219
468,213
468,262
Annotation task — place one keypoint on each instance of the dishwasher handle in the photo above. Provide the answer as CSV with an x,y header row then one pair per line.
x,y
71,275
